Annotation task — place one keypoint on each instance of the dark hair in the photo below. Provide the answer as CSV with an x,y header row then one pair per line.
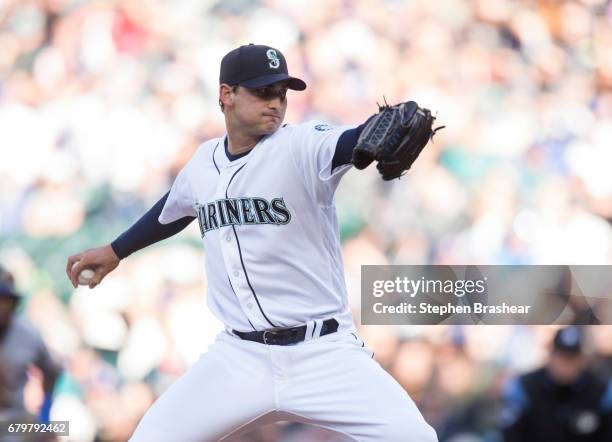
x,y
234,87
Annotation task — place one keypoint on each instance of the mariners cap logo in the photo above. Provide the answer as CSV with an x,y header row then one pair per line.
x,y
254,66
274,61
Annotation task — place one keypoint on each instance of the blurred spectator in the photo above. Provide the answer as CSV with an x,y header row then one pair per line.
x,y
562,401
21,349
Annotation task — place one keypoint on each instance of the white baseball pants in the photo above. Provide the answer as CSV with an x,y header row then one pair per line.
x,y
331,382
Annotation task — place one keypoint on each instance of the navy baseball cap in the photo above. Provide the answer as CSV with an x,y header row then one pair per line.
x,y
255,66
568,340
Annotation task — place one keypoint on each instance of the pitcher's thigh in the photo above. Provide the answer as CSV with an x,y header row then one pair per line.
x,y
386,404
221,392
353,395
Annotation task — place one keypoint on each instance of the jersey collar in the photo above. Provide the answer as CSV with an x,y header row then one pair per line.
x,y
231,157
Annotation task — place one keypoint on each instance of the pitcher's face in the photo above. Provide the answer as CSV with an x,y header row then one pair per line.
x,y
258,111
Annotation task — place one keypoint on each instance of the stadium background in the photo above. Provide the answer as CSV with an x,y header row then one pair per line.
x,y
102,102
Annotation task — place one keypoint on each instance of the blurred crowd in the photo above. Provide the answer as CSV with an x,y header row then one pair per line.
x,y
102,102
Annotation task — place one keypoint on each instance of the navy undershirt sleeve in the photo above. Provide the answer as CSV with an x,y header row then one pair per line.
x,y
345,145
148,230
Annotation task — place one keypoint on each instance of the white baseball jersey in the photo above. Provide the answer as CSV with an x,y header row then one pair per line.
x,y
269,228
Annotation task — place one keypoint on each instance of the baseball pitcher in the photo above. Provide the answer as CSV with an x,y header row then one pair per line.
x,y
263,196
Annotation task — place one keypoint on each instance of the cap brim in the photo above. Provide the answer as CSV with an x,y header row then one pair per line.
x,y
294,83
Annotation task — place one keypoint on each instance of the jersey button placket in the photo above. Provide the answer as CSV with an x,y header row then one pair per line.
x,y
233,263
231,258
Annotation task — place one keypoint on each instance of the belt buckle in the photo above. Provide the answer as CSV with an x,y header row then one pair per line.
x,y
275,332
272,332
264,337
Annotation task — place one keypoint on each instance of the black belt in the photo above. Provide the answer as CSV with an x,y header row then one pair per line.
x,y
286,335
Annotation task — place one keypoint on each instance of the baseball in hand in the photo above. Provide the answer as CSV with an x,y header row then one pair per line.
x,y
85,276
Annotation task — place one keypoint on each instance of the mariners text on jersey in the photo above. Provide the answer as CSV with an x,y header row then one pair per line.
x,y
237,211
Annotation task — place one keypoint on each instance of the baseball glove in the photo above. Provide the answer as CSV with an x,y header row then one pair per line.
x,y
394,137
